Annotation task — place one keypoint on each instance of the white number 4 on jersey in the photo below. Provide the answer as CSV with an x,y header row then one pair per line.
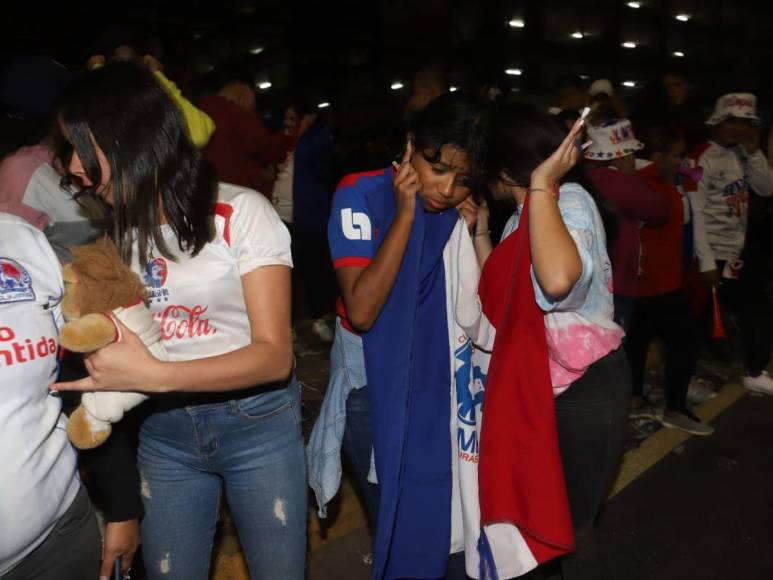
x,y
355,225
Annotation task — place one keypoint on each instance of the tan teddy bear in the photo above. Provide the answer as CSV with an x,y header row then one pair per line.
x,y
99,288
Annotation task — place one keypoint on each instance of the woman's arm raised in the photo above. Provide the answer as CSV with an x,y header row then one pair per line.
x,y
555,259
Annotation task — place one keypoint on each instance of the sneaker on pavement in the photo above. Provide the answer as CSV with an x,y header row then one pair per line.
x,y
322,330
690,424
646,411
762,383
698,392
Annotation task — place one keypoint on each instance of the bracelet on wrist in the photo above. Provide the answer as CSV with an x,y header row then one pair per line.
x,y
530,191
482,233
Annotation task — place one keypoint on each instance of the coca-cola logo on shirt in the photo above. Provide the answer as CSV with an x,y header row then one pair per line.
x,y
180,322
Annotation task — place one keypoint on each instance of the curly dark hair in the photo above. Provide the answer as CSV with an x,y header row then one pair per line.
x,y
457,119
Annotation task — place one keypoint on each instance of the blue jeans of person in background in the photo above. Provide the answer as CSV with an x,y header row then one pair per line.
x,y
251,449
358,446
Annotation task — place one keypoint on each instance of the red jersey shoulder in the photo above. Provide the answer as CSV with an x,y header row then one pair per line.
x,y
225,211
352,179
234,201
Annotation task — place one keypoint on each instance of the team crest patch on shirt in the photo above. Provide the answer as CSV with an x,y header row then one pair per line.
x,y
15,282
355,225
155,273
155,278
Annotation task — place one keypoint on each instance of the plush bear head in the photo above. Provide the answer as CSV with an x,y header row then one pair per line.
x,y
97,280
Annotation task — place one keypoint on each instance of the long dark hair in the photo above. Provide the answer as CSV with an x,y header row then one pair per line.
x,y
154,166
522,137
457,119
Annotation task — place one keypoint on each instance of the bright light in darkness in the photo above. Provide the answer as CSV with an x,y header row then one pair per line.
x,y
516,23
323,105
629,84
634,5
513,72
396,86
264,85
682,17
629,45
578,35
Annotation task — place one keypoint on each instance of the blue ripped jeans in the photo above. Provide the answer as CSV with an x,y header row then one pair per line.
x,y
249,448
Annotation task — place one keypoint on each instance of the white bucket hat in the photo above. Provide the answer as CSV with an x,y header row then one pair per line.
x,y
601,86
612,140
741,105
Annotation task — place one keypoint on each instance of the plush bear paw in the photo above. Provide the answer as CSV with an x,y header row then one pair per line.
x,y
85,432
89,333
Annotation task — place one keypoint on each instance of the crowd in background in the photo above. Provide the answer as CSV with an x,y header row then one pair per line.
x,y
678,231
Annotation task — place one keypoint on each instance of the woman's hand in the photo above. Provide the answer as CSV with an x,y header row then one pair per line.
x,y
406,184
549,172
474,214
121,539
126,365
468,209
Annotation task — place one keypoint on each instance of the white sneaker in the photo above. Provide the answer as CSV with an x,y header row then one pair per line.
x,y
687,423
698,392
322,330
763,383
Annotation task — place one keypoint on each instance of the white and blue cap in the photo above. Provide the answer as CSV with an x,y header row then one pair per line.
x,y
612,140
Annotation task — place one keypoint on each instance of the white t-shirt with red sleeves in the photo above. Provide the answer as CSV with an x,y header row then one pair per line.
x,y
198,300
38,477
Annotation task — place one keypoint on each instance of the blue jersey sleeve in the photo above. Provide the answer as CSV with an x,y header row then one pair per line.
x,y
350,227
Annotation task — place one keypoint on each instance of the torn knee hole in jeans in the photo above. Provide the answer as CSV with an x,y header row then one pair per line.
x,y
279,511
165,565
144,487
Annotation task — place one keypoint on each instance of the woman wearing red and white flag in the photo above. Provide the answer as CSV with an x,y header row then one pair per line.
x,y
558,385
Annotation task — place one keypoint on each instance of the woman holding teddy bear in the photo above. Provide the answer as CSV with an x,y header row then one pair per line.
x,y
216,262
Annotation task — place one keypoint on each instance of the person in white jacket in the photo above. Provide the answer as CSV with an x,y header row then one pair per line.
x,y
733,166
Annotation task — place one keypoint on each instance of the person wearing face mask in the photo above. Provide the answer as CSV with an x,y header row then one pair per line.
x,y
225,418
733,166
389,397
661,308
